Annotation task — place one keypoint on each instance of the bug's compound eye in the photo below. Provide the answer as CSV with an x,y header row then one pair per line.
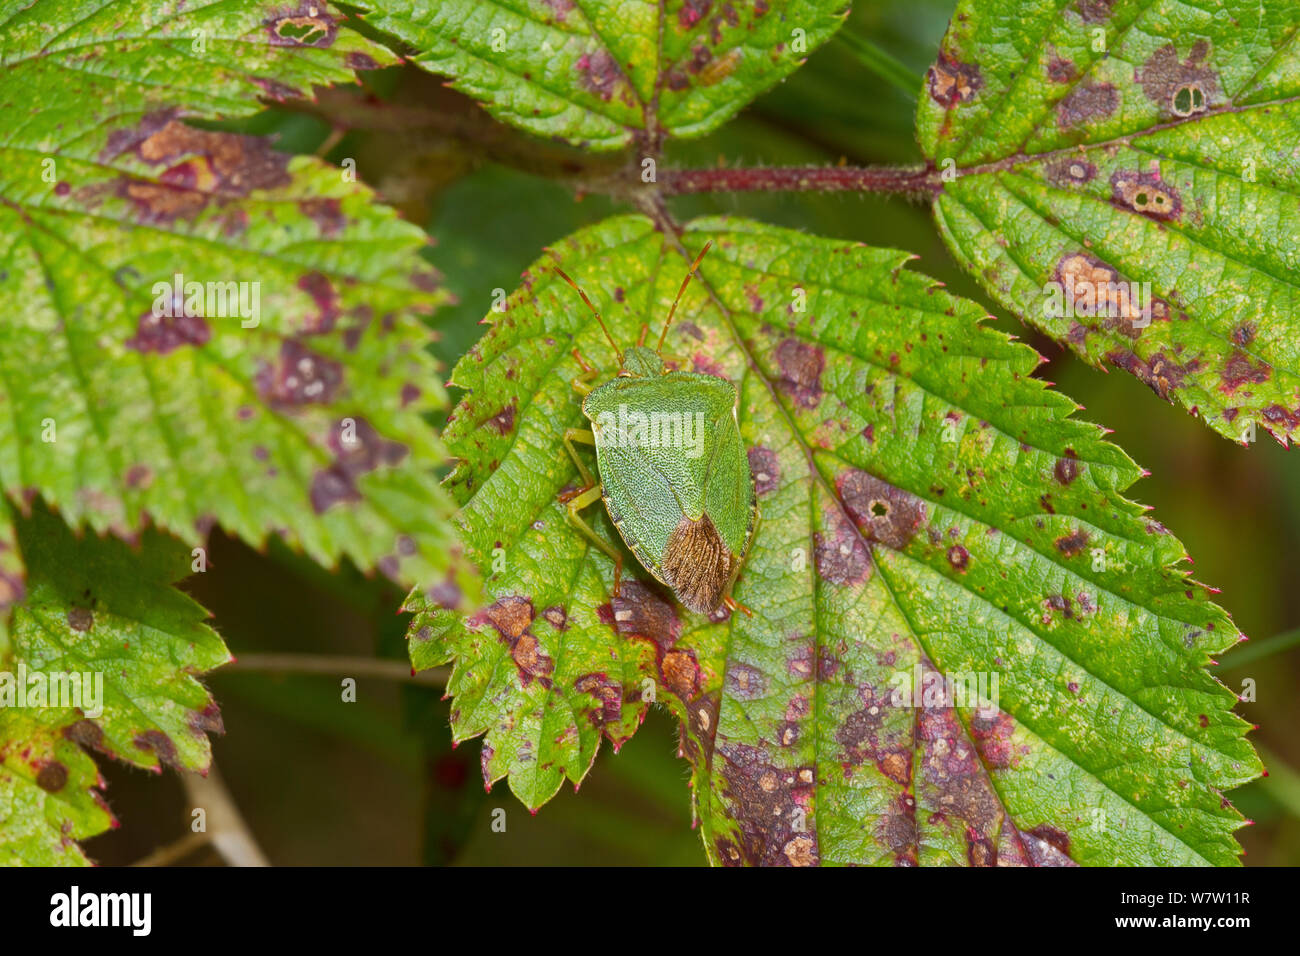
x,y
878,508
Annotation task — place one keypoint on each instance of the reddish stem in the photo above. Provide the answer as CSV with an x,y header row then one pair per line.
x,y
921,180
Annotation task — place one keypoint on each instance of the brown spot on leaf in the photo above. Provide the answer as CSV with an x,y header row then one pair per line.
x,y
198,165
745,682
601,74
1283,418
322,292
692,12
1047,846
531,660
1073,544
1094,287
959,558
864,737
950,774
769,804
159,744
360,61
1060,70
1239,370
952,82
993,739
357,449
163,334
274,89
1087,103
638,610
608,695
1162,375
1094,11
503,422
139,476
801,366
511,616
897,830
765,468
84,732
300,377
80,619
1067,467
1069,171
52,777
1057,602
980,850
207,721
1181,88
1145,193
840,555
882,512
680,672
327,214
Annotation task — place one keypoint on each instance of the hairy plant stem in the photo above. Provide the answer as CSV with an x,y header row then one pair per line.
x,y
910,180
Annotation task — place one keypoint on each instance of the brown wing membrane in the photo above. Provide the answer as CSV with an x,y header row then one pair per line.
x,y
697,564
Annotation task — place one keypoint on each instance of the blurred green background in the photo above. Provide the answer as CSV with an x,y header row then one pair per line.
x,y
319,781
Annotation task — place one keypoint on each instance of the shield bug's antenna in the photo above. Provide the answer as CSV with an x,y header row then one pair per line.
x,y
576,288
685,282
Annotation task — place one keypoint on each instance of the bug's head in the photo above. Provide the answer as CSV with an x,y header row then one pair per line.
x,y
641,362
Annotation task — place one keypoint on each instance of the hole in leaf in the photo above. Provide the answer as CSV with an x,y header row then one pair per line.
x,y
1188,100
303,31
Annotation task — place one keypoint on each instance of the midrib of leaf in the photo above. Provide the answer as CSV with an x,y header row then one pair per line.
x,y
882,566
819,481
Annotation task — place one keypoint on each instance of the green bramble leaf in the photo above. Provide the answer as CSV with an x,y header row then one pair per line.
x,y
281,387
97,609
1144,142
603,73
927,508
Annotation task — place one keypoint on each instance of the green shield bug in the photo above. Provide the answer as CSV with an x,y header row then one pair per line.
x,y
671,468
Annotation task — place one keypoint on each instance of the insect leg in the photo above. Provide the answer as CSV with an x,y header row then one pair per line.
x,y
590,496
587,438
733,605
582,384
